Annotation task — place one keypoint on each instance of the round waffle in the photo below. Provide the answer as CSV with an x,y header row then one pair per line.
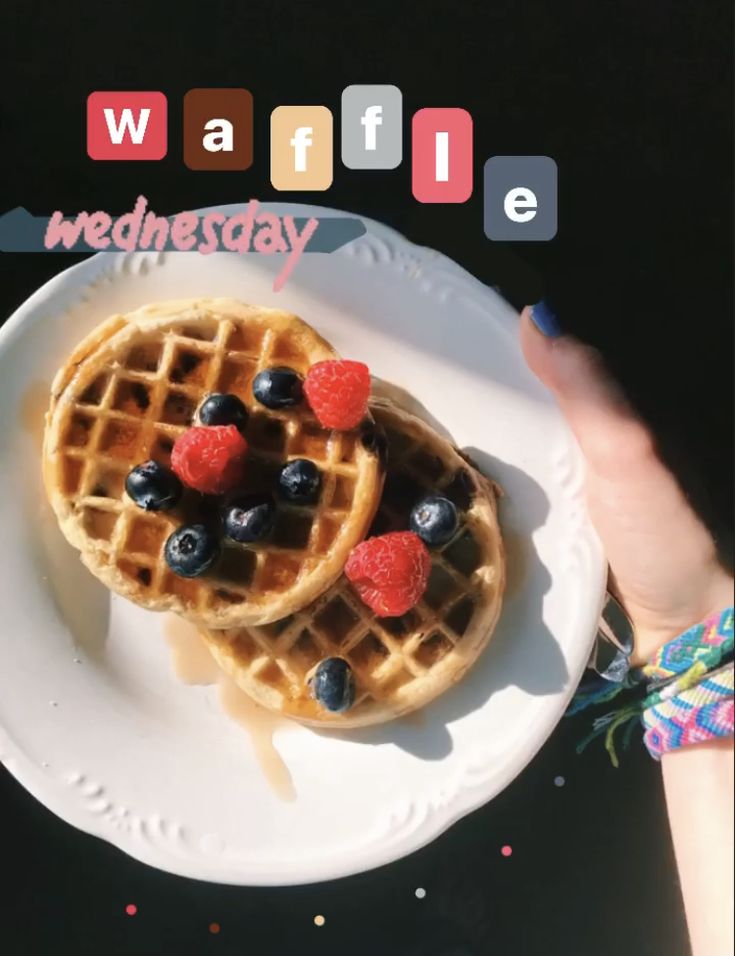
x,y
131,389
403,663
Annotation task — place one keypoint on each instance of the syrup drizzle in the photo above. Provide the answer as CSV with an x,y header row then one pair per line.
x,y
193,664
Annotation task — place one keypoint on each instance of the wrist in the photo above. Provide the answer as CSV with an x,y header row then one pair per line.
x,y
652,631
710,755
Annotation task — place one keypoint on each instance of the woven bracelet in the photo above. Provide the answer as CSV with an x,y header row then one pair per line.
x,y
692,716
688,692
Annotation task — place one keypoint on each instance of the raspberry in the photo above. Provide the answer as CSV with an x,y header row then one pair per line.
x,y
390,572
210,459
338,392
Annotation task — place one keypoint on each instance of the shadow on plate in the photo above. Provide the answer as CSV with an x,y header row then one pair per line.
x,y
536,666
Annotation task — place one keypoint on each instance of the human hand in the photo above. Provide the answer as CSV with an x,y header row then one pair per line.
x,y
663,563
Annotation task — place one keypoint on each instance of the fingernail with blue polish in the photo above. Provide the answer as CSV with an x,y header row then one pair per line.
x,y
545,320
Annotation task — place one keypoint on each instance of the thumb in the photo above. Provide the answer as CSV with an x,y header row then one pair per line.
x,y
662,557
607,428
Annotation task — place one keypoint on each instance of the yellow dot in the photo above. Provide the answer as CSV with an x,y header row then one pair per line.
x,y
319,921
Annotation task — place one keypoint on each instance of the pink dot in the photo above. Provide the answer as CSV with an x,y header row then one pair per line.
x,y
131,909
506,850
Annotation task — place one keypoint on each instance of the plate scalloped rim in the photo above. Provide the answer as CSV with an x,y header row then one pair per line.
x,y
172,845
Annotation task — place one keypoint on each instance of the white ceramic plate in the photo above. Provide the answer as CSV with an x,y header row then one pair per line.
x,y
93,721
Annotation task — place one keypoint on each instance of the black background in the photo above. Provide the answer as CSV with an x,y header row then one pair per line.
x,y
634,102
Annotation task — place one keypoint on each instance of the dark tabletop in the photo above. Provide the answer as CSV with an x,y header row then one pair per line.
x,y
634,102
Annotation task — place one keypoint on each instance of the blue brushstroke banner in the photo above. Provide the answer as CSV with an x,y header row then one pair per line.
x,y
22,232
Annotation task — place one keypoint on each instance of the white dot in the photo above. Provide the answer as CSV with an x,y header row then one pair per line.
x,y
420,892
319,920
559,781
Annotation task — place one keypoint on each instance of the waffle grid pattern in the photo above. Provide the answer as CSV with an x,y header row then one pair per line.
x,y
137,410
385,654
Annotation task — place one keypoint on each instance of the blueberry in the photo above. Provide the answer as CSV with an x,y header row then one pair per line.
x,y
153,487
192,550
435,520
278,387
333,684
219,409
250,518
299,481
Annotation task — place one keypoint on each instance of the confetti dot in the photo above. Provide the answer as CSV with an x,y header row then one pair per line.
x,y
131,909
214,928
420,892
319,921
559,781
506,850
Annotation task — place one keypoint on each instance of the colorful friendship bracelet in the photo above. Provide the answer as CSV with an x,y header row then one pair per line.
x,y
689,701
707,643
703,712
683,662
689,694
